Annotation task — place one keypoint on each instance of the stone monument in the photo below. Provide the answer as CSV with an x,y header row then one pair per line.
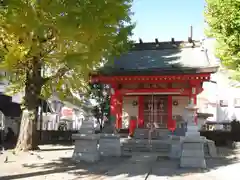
x,y
86,143
192,155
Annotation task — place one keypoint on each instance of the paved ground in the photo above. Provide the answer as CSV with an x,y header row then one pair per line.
x,y
54,162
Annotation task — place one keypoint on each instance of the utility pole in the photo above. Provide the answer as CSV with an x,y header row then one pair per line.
x,y
190,38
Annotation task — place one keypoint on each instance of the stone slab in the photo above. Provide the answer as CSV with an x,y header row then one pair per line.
x,y
194,139
192,155
85,136
86,146
86,131
110,136
192,145
110,142
192,134
142,133
198,153
110,146
176,138
192,162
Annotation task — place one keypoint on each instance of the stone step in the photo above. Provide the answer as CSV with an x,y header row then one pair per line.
x,y
144,145
147,145
157,134
145,148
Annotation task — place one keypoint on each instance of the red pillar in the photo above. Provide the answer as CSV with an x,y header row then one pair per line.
x,y
119,111
113,105
171,123
140,111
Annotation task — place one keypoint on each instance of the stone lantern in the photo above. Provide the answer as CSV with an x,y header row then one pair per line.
x,y
193,144
190,117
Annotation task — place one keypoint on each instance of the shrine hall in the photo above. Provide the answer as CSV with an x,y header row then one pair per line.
x,y
154,82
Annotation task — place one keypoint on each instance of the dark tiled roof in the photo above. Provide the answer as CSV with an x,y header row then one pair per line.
x,y
160,58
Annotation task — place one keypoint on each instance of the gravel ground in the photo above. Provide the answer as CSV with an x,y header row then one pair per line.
x,y
54,162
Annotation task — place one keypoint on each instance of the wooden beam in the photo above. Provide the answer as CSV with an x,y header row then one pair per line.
x,y
154,91
197,78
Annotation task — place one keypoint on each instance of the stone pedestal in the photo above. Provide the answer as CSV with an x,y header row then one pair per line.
x,y
86,147
86,144
109,145
192,155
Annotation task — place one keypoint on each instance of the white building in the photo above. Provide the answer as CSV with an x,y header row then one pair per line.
x,y
56,113
221,96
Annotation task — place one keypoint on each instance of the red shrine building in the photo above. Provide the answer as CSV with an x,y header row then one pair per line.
x,y
154,82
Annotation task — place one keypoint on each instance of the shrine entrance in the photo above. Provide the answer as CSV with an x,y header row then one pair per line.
x,y
156,111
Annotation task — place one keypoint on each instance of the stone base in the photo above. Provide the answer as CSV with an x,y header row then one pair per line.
x,y
192,162
109,145
192,155
86,147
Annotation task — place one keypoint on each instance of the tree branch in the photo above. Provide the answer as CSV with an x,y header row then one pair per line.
x,y
60,73
43,54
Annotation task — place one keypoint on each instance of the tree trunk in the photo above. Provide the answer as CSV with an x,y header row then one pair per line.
x,y
27,135
27,139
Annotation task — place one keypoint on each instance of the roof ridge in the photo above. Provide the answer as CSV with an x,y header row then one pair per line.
x,y
164,45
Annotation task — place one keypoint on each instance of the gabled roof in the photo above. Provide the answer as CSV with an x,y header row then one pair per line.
x,y
160,58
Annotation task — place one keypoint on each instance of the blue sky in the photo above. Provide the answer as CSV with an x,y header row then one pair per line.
x,y
164,19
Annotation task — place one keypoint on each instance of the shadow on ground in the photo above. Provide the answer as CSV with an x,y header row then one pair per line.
x,y
123,167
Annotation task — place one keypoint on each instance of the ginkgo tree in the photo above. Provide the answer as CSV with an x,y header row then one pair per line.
x,y
223,19
66,39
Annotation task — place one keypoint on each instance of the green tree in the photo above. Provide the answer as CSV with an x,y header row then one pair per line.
x,y
100,93
223,19
67,39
